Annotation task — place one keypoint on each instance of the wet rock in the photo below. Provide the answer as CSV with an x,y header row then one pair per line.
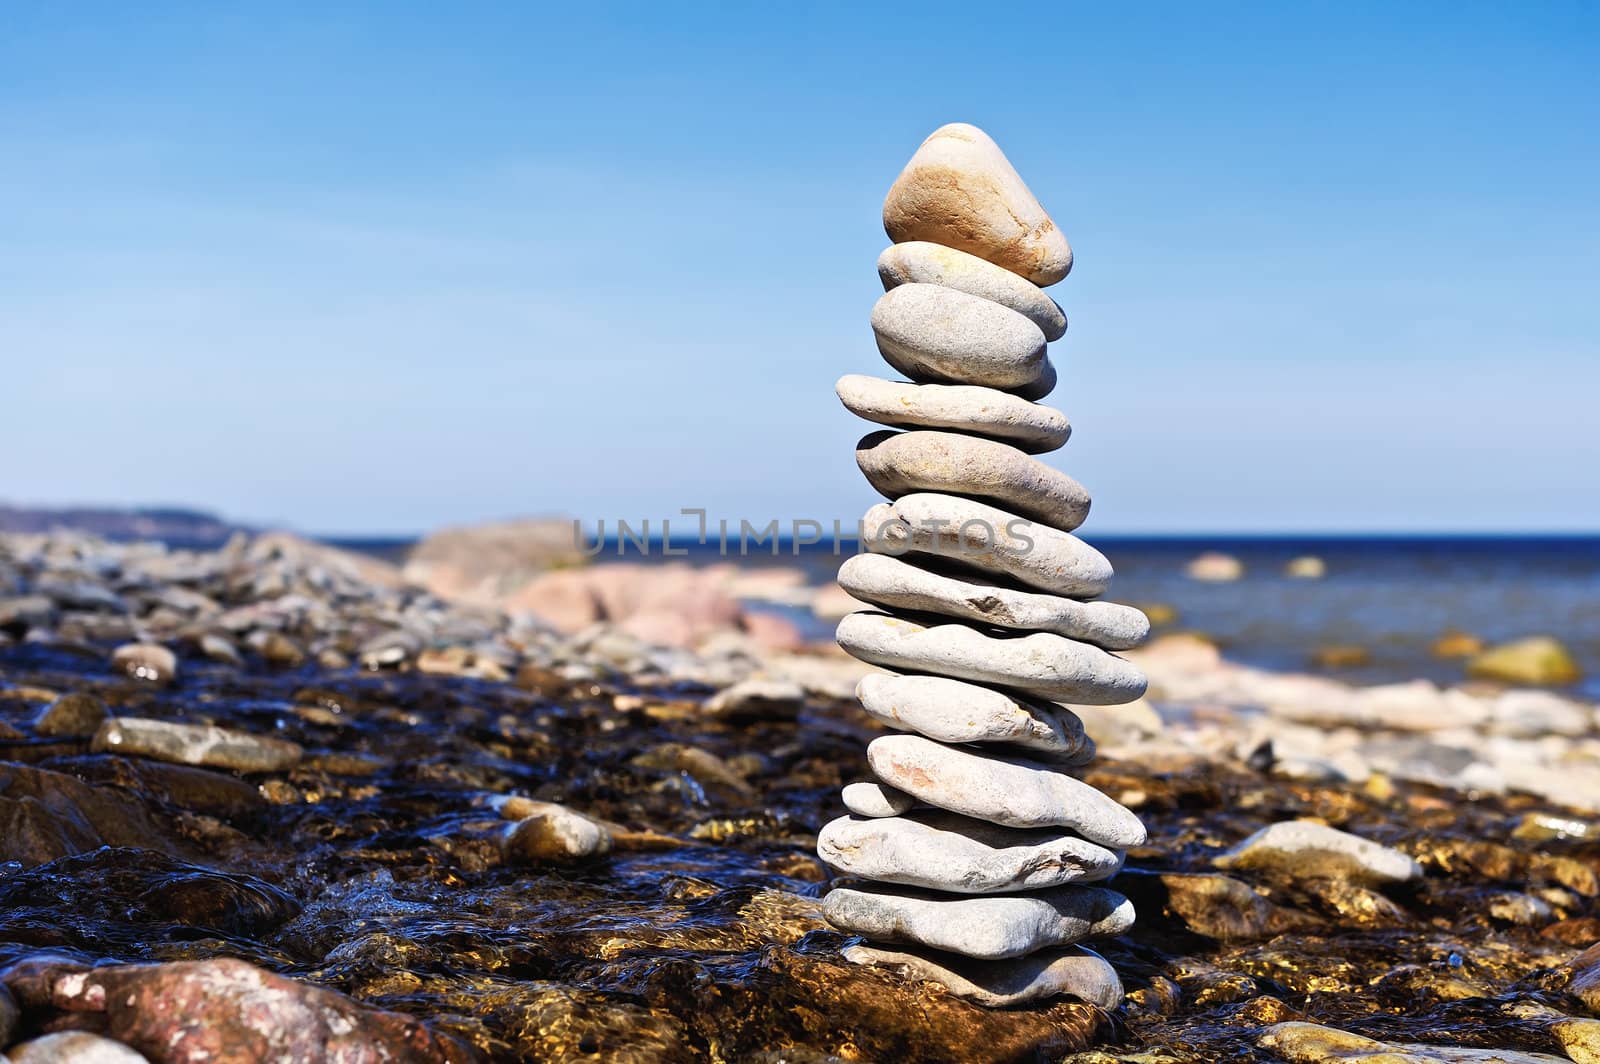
x,y
1304,849
943,851
279,651
73,714
1001,790
10,1016
22,612
230,1010
195,744
220,648
73,1047
555,835
45,815
1537,660
959,190
705,767
150,662
1309,1043
1212,905
1074,971
758,699
990,927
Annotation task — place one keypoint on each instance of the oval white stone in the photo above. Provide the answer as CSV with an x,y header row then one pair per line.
x,y
985,537
955,712
892,582
1040,664
943,851
987,927
964,407
923,262
896,463
929,332
1002,790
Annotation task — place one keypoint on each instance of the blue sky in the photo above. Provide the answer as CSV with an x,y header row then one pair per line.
x,y
378,268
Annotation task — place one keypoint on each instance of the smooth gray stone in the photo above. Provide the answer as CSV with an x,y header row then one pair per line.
x,y
1072,970
898,463
986,927
1027,426
953,711
1044,665
195,744
1042,385
944,851
895,583
924,262
874,799
929,332
1009,791
984,537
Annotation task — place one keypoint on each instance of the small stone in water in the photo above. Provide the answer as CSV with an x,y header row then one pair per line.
x,y
555,835
9,1017
146,661
73,714
195,744
757,698
1307,850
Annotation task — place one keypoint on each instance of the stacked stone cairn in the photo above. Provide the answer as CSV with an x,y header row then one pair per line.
x,y
974,855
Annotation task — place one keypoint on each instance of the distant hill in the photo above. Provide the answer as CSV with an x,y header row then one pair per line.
x,y
174,525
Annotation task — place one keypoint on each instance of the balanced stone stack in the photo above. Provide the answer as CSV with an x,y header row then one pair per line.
x,y
974,848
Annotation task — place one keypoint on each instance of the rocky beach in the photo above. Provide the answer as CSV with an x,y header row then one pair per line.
x,y
270,792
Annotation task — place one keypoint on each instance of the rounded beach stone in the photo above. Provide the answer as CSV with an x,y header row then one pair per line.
x,y
888,581
984,537
963,407
943,851
986,927
1071,970
929,332
1042,385
922,262
955,712
898,463
1305,849
874,799
960,190
1039,664
1009,791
